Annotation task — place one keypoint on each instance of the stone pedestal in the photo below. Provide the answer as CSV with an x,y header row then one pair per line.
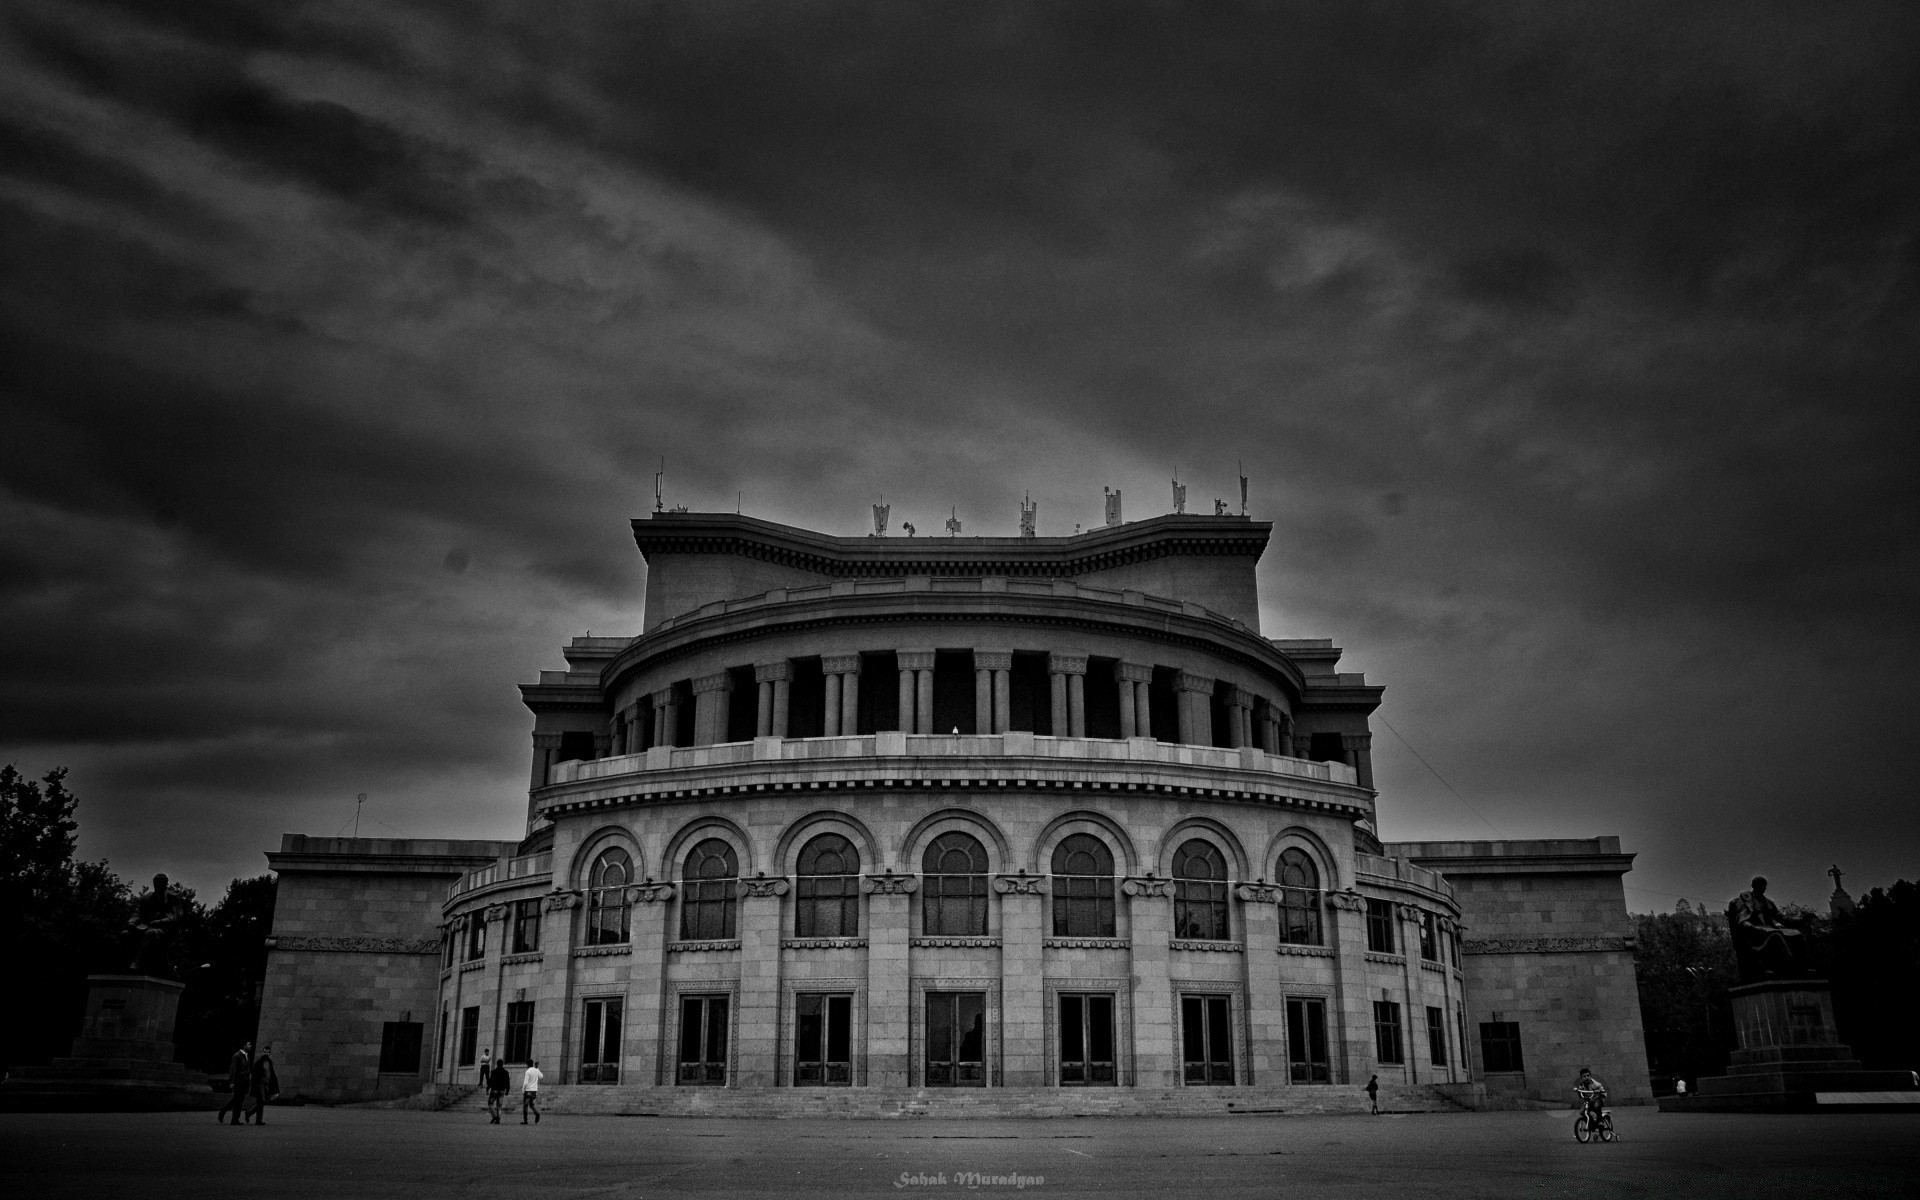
x,y
1791,1059
123,1059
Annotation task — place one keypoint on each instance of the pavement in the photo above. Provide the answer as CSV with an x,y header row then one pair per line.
x,y
367,1153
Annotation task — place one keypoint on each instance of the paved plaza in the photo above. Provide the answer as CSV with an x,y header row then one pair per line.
x,y
354,1153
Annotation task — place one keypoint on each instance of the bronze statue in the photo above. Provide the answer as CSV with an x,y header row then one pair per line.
x,y
157,921
1767,944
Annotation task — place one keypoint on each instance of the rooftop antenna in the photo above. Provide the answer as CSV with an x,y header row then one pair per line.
x,y
1113,504
953,522
880,514
1179,493
738,499
1029,517
659,504
356,813
1243,488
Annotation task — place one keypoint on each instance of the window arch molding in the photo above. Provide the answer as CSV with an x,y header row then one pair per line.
x,y
956,820
1301,838
698,830
786,855
597,843
1207,830
1125,860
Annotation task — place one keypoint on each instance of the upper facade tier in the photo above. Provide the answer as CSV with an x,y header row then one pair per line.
x,y
696,559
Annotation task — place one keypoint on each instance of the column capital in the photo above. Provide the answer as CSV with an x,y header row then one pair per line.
x,y
1150,885
1022,884
1258,893
662,697
770,672
840,664
1067,664
765,885
914,660
649,892
720,681
1241,698
1187,681
890,884
546,741
1356,741
993,660
560,901
1133,672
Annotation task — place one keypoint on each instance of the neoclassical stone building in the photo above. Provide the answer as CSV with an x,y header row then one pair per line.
x,y
1046,817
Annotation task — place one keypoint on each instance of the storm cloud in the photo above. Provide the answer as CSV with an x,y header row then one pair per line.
x,y
1571,350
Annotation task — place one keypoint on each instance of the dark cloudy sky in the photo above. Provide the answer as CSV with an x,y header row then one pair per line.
x,y
1573,350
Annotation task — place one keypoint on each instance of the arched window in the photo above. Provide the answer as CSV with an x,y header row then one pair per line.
x,y
1082,887
607,907
1199,892
706,892
1299,898
953,892
828,903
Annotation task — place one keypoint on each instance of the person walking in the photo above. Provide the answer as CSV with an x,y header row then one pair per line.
x,y
239,1082
530,1093
266,1084
497,1085
1373,1094
486,1065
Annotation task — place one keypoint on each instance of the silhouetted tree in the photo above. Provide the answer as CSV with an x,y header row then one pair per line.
x,y
1683,963
220,1008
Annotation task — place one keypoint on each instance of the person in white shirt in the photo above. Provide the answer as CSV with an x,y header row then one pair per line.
x,y
530,1093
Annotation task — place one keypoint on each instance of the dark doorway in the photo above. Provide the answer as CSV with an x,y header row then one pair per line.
x,y
956,1039
743,704
823,1040
1222,714
682,730
574,746
1206,1039
1086,1040
1030,693
1326,747
703,1040
807,700
879,691
1163,711
953,692
1307,1040
600,1042
1103,698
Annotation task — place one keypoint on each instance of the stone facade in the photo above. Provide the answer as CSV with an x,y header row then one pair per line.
x,y
1002,816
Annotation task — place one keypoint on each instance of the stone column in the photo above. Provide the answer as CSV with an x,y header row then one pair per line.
x,y
1239,700
1156,1031
646,983
760,917
603,744
1358,748
710,696
544,747
1069,672
1023,999
830,708
774,678
982,697
1302,743
1196,718
889,996
850,697
992,667
916,690
842,703
553,994
666,716
1135,719
1346,913
1266,1002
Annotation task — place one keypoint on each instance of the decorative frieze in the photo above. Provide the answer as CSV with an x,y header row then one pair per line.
x,y
1348,901
764,885
1022,884
703,947
516,959
602,951
1148,886
832,943
957,942
649,892
495,912
561,901
1549,945
889,884
1086,943
354,944
1196,944
1391,960
1305,951
1258,893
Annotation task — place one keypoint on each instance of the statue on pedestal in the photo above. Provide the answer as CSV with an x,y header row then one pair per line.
x,y
158,921
1767,944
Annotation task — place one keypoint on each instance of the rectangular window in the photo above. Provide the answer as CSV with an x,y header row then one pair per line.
x,y
476,937
1200,910
1300,916
1380,926
1386,1032
600,1042
526,926
400,1047
1086,1040
953,905
519,1032
703,1040
1429,942
440,1051
707,910
1206,1039
1083,906
469,1034
1500,1046
823,1040
827,906
1307,1040
956,1039
1436,1036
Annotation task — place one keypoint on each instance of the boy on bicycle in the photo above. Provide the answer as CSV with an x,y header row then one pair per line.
x,y
1591,1091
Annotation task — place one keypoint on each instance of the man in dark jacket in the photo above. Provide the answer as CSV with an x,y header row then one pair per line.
x,y
497,1084
266,1084
240,1080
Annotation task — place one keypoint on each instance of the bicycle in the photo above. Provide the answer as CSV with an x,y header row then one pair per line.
x,y
1593,1121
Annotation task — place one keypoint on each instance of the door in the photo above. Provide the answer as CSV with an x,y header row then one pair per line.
x,y
703,1039
1307,1040
1206,1038
1086,1040
956,1039
823,1040
600,1042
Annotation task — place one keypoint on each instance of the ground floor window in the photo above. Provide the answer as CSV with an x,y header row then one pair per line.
x,y
1206,1038
703,1039
1386,1032
1500,1046
1307,1040
469,1034
823,1040
1086,1040
956,1039
600,1041
1436,1036
400,1047
519,1032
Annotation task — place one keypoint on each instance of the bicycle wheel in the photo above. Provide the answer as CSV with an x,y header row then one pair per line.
x,y
1582,1132
1606,1128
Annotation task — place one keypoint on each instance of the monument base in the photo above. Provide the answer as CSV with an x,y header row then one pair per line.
x,y
123,1059
1791,1059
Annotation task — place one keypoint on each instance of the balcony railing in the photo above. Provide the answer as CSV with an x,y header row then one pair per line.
x,y
522,867
942,745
